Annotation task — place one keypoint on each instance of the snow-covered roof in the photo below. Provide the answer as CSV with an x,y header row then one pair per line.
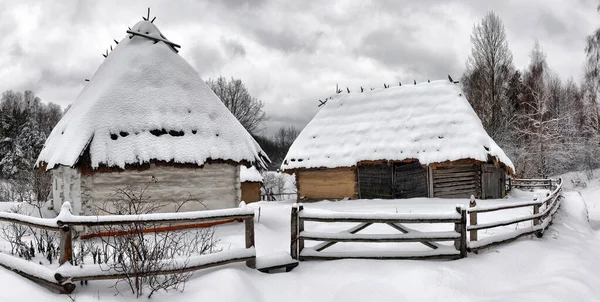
x,y
250,174
431,122
146,103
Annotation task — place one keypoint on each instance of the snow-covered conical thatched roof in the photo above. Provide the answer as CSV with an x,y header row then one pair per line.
x,y
147,103
431,122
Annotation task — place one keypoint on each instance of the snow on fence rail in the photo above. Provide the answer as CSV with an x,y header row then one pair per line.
x,y
62,279
540,220
395,220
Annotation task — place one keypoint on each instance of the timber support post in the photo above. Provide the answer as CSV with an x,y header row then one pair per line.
x,y
300,230
461,228
249,223
473,219
66,245
294,233
536,210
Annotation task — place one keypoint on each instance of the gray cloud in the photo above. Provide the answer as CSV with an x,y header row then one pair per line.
x,y
289,53
233,48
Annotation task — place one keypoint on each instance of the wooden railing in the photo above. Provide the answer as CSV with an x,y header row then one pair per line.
x,y
62,279
299,235
548,206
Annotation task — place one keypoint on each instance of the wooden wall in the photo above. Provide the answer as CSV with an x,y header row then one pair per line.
x,y
320,184
456,180
214,184
251,191
66,186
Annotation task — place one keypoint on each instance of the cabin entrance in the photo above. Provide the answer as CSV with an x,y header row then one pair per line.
x,y
397,180
409,180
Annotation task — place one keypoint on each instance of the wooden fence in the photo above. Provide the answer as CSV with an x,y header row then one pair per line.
x,y
543,210
62,279
299,235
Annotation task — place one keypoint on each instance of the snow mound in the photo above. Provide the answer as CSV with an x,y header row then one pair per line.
x,y
250,174
431,122
146,103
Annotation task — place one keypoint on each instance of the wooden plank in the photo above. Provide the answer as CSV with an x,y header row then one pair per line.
x,y
455,188
454,175
377,220
154,273
407,237
505,207
449,256
456,183
63,288
155,220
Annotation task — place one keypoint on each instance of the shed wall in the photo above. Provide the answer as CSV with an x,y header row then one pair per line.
x,y
251,191
327,183
456,180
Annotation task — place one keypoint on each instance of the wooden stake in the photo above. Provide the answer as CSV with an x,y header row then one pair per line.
x,y
536,210
294,233
249,222
461,228
66,245
473,219
300,230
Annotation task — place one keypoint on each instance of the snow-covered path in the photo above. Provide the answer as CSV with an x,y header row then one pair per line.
x,y
564,265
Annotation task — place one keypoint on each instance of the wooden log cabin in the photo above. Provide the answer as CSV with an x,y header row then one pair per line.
x,y
147,116
420,140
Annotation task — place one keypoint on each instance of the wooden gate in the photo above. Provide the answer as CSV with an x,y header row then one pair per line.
x,y
409,180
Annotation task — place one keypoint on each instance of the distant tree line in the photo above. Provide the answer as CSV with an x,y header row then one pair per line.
x,y
25,123
547,125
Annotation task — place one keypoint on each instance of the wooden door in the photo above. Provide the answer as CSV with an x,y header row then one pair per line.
x,y
493,181
409,180
375,181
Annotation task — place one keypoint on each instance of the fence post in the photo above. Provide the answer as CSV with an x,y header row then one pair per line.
x,y
536,210
300,230
550,184
510,184
66,245
473,219
461,228
294,233
249,222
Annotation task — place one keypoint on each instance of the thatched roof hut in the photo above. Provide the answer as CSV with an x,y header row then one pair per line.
x,y
407,141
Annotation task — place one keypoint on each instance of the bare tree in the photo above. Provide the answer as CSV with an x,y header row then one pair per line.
x,y
137,249
246,108
488,73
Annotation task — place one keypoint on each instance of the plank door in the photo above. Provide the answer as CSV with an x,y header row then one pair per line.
x,y
409,180
375,181
493,181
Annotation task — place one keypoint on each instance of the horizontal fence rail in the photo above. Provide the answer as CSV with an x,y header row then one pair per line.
x,y
62,279
542,214
299,216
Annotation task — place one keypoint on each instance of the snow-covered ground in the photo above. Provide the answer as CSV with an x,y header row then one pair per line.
x,y
564,265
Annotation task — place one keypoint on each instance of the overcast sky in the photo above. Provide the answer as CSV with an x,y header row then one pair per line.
x,y
288,53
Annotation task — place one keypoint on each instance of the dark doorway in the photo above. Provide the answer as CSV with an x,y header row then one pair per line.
x,y
410,180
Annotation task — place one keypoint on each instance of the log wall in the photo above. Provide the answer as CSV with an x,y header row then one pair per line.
x,y
456,180
336,183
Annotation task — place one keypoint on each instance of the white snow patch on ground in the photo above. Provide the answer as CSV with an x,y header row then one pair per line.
x,y
562,266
